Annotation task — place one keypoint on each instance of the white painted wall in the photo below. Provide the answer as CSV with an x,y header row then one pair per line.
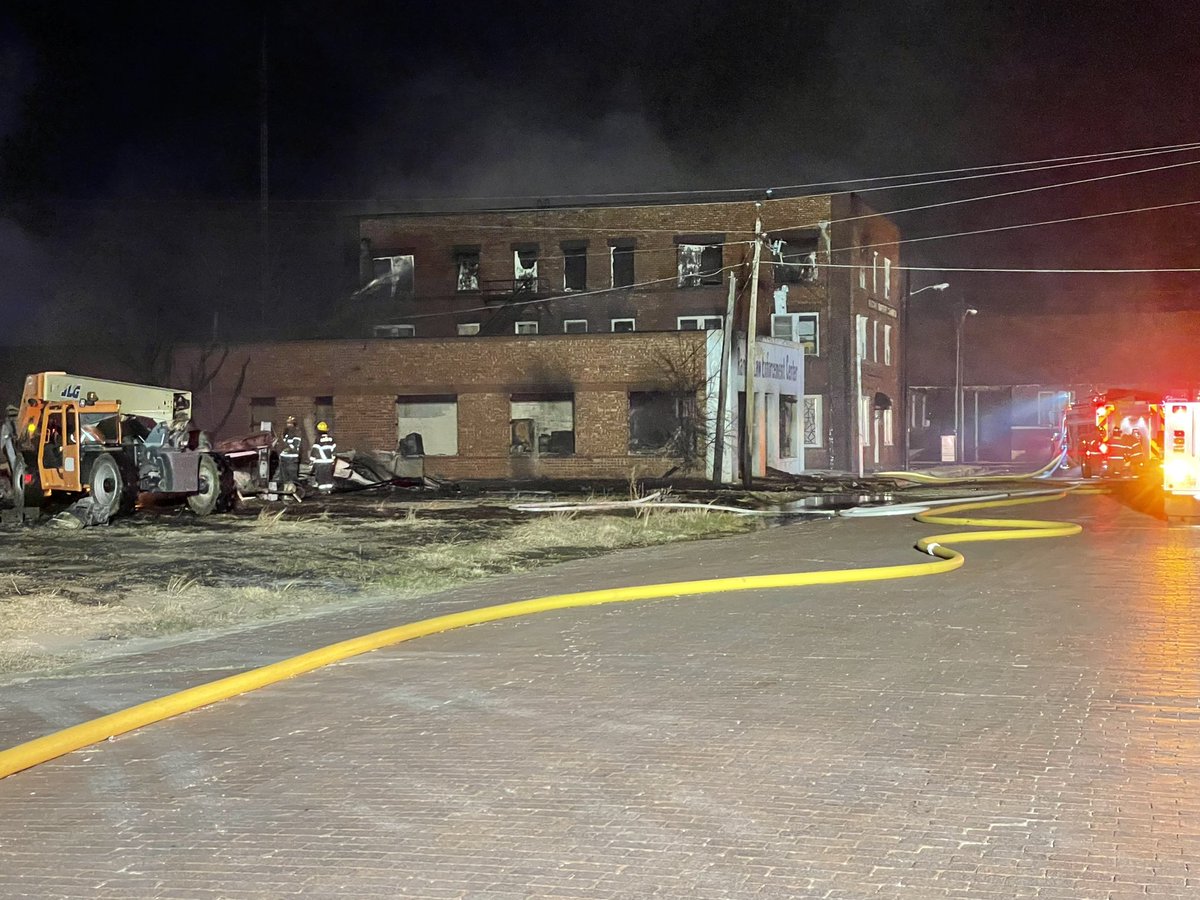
x,y
437,423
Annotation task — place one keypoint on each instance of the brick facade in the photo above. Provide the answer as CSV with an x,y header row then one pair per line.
x,y
365,378
852,279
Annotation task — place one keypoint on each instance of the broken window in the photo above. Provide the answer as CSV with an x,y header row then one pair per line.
x,y
700,323
262,413
525,269
526,328
788,428
619,325
797,261
427,426
466,265
467,328
542,423
575,267
575,326
393,275
699,264
664,423
622,264
323,410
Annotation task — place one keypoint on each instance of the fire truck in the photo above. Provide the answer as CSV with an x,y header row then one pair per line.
x,y
1117,433
1181,455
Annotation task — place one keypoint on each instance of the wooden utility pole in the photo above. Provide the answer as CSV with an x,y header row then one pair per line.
x,y
724,378
751,423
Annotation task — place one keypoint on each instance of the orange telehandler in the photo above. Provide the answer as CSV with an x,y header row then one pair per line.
x,y
74,436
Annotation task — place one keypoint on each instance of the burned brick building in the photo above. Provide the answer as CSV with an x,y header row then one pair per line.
x,y
587,340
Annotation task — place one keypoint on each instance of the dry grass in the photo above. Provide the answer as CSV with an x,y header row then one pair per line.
x,y
322,560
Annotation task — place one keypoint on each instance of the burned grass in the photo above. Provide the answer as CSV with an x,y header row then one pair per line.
x,y
68,594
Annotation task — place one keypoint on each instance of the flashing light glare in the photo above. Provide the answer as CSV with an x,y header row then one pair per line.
x,y
1180,471
28,478
1103,447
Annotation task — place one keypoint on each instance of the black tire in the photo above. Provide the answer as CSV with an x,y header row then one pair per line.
x,y
106,485
217,491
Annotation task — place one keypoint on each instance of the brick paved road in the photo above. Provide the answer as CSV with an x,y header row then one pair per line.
x,y
1025,727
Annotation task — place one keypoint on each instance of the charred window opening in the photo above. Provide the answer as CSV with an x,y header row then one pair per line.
x,y
796,260
664,423
393,275
466,267
622,264
427,426
525,269
543,424
575,266
700,262
262,413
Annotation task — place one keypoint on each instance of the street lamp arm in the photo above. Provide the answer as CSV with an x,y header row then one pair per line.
x,y
930,287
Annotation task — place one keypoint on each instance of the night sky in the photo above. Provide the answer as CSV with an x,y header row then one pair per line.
x,y
129,167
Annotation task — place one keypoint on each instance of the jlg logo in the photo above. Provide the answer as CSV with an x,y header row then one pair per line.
x,y
70,392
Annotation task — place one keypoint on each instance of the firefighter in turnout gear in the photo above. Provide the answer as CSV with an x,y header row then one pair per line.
x,y
289,455
321,455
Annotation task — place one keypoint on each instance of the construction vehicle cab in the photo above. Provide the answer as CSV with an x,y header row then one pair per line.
x,y
109,440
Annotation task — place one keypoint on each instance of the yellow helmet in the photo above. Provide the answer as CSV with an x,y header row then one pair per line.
x,y
322,427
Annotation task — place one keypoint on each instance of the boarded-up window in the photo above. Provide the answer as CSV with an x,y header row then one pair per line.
x,y
394,276
699,264
574,268
262,413
543,423
434,419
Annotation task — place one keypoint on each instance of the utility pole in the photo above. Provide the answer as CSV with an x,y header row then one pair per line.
x,y
751,423
263,183
724,377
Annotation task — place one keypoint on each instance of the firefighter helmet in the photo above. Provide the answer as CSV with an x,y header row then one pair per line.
x,y
322,427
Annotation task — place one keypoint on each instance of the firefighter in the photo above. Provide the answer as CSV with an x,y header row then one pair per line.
x,y
289,455
321,455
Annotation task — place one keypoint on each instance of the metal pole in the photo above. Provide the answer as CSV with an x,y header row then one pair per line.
x,y
751,328
958,389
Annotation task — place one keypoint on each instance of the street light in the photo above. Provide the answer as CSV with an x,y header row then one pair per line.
x,y
930,287
959,410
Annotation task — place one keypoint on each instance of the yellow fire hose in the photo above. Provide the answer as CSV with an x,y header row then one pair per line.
x,y
51,746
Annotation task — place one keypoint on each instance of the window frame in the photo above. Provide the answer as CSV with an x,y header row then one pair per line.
x,y
612,325
679,320
461,325
533,322
796,318
583,322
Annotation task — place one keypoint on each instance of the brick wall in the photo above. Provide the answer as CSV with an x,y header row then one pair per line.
x,y
364,378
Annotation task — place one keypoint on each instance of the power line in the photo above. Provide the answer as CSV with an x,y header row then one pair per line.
x,y
1014,193
1119,212
985,269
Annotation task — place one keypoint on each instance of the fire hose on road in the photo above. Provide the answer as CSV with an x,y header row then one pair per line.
x,y
34,752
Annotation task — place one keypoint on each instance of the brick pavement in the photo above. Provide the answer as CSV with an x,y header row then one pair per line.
x,y
1025,727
